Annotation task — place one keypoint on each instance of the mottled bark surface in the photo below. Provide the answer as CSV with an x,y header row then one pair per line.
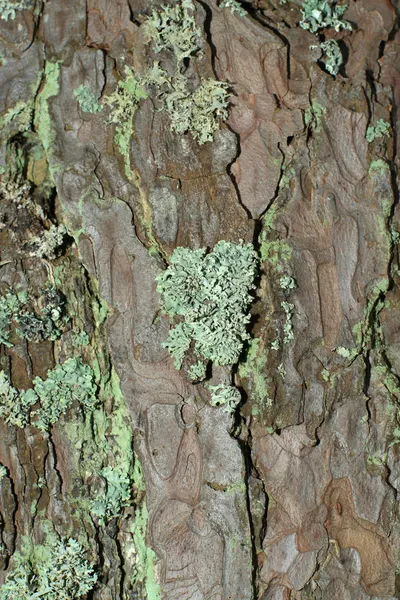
x,y
296,496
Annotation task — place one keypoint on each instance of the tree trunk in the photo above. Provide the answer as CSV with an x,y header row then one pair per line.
x,y
295,495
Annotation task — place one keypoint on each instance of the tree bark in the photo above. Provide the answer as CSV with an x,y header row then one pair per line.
x,y
296,494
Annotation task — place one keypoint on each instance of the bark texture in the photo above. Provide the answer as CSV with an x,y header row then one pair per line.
x,y
296,496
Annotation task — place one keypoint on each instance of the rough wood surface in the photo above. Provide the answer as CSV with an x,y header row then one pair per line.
x,y
296,496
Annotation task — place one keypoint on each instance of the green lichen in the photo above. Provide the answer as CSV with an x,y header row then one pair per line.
x,y
200,110
70,381
197,372
117,494
56,572
14,405
87,100
377,460
43,121
333,56
3,472
144,571
320,14
20,115
380,129
254,368
274,252
173,27
123,103
10,305
379,167
9,8
286,282
313,116
48,322
234,6
80,338
281,370
211,293
288,334
47,244
225,397
287,175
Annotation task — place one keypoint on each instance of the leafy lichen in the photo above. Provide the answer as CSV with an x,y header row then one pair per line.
x,y
211,292
380,129
333,56
288,334
197,372
226,397
56,572
47,244
87,100
124,102
234,6
9,8
14,405
199,110
319,14
313,116
117,494
379,167
10,305
173,27
70,381
43,122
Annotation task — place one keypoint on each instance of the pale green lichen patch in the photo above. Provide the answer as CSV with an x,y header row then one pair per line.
x,y
9,8
319,14
211,293
45,324
288,334
378,167
173,27
333,56
80,338
47,244
254,369
70,381
20,115
3,472
225,397
234,6
87,100
274,252
380,129
197,371
59,571
200,110
123,103
43,122
117,494
14,405
10,305
313,116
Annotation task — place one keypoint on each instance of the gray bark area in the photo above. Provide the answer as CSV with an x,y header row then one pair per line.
x,y
298,497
